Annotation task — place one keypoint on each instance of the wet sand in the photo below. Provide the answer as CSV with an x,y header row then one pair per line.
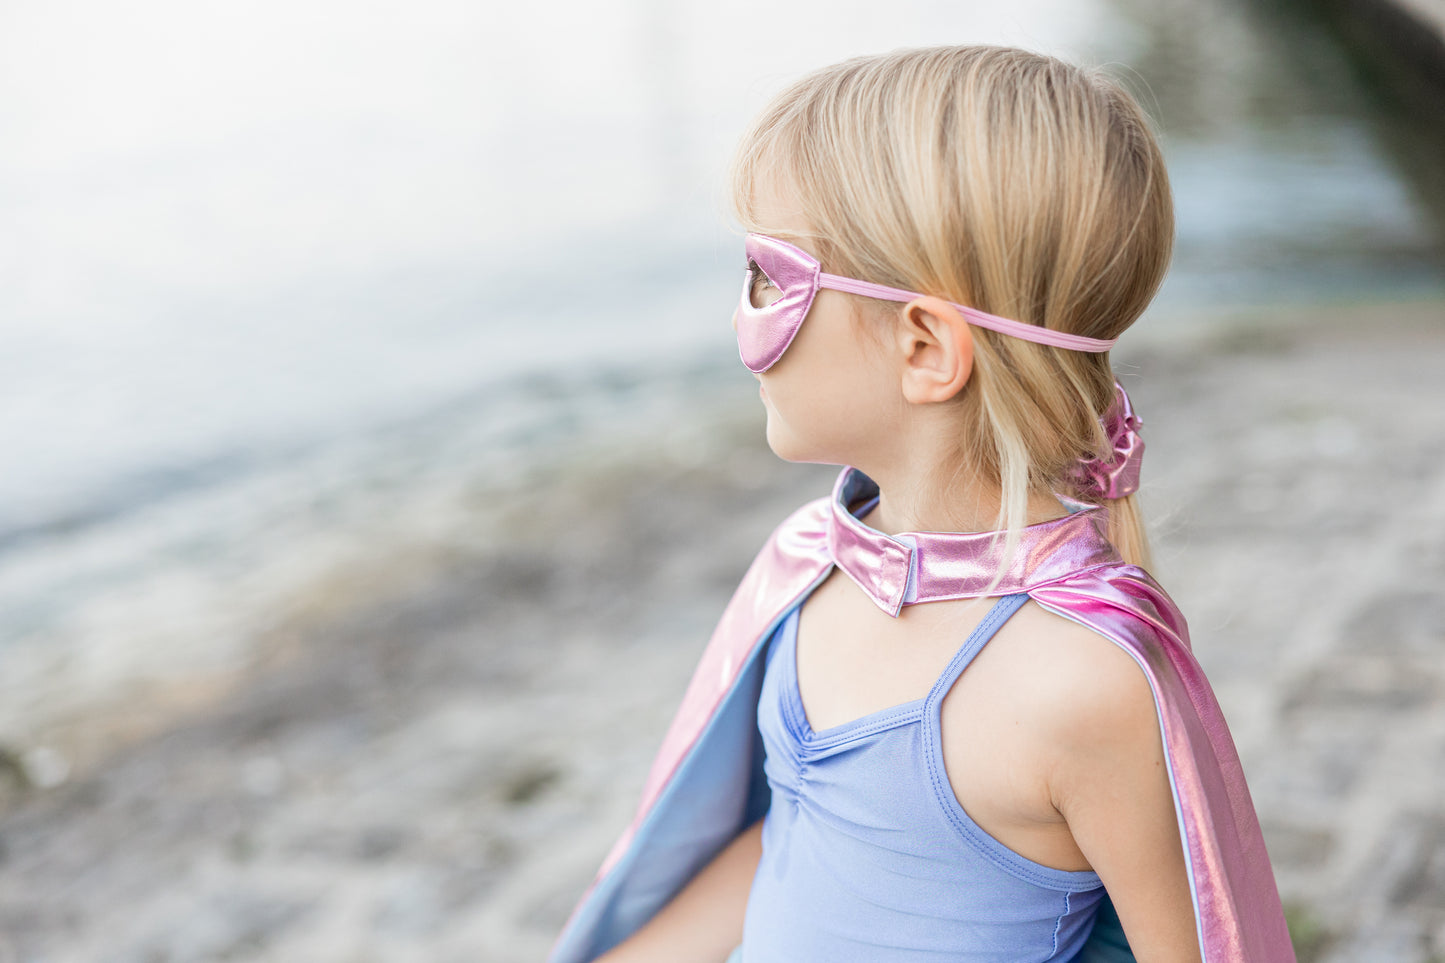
x,y
428,761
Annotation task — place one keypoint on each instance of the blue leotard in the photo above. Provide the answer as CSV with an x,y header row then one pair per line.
x,y
867,855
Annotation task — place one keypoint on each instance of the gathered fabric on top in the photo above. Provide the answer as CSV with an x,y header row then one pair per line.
x,y
867,854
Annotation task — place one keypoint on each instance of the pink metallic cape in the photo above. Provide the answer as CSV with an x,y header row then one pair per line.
x,y
696,797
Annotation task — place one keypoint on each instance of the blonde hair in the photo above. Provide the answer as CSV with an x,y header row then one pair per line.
x,y
1001,179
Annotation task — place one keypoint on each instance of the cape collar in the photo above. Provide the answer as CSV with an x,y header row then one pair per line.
x,y
899,570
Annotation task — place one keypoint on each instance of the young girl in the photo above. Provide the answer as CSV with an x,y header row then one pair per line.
x,y
948,715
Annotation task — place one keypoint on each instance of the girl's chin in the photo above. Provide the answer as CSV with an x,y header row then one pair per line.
x,y
778,440
789,447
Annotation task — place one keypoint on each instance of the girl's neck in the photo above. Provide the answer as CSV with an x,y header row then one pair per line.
x,y
926,484
940,502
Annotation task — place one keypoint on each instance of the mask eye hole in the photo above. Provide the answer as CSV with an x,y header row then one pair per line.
x,y
761,289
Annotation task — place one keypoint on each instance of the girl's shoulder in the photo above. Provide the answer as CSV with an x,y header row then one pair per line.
x,y
1075,688
1072,707
1091,734
1049,719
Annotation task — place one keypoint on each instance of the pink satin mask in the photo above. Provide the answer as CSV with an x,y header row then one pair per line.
x,y
765,332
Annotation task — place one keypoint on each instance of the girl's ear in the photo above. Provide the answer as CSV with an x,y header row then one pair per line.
x,y
936,347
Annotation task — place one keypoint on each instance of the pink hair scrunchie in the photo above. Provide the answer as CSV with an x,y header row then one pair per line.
x,y
1117,475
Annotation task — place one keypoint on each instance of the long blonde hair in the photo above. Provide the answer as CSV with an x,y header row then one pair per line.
x,y
1001,179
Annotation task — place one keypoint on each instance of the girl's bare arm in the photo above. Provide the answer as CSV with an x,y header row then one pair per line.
x,y
1111,784
704,922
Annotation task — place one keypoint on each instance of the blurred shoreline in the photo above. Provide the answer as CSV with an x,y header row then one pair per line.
x,y
201,582
425,748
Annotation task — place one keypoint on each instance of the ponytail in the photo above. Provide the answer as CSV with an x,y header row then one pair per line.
x,y
1126,531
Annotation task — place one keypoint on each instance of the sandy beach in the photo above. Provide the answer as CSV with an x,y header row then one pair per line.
x,y
427,752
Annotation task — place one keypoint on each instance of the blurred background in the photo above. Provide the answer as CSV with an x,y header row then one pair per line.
x,y
377,457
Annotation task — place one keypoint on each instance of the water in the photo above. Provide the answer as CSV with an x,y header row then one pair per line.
x,y
273,270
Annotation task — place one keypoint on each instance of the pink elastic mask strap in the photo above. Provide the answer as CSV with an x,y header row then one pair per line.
x,y
1014,329
1117,475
